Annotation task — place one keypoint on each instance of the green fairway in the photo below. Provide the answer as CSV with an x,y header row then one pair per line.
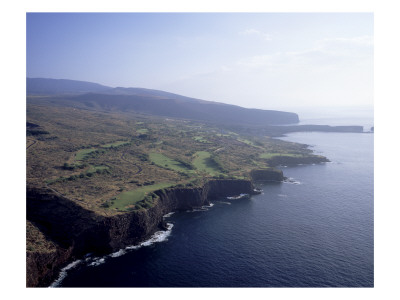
x,y
129,198
250,143
204,163
142,131
116,144
168,163
93,169
82,154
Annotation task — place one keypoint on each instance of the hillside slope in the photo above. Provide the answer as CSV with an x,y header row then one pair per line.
x,y
154,102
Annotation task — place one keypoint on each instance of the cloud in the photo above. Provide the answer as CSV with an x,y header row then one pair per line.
x,y
255,32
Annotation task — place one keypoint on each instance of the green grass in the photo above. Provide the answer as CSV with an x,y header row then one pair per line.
x,y
93,169
116,144
200,139
268,155
250,143
82,154
204,163
168,163
142,130
130,198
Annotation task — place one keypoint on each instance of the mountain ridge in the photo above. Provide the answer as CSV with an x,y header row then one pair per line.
x,y
92,95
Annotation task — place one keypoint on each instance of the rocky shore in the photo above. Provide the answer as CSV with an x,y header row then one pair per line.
x,y
76,231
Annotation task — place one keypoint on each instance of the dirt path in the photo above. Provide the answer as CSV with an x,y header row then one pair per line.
x,y
33,143
124,159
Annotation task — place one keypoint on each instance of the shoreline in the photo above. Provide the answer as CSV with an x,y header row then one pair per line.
x,y
77,231
105,235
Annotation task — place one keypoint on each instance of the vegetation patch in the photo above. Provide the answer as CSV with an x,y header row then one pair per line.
x,y
201,139
165,162
34,132
84,153
142,131
250,143
116,144
205,162
94,169
129,199
268,155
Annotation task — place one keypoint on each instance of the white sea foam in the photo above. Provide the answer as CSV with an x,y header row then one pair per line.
x,y
291,181
159,236
63,273
97,262
132,247
168,215
118,253
282,195
241,196
225,202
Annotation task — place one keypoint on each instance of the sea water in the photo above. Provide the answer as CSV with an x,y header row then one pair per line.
x,y
316,229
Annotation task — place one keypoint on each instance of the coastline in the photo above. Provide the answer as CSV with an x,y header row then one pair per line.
x,y
78,231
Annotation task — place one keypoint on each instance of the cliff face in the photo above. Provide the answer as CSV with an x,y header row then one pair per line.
x,y
270,174
78,231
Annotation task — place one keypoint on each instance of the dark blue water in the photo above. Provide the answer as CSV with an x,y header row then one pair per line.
x,y
316,231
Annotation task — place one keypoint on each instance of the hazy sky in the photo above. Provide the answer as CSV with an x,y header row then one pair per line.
x,y
261,60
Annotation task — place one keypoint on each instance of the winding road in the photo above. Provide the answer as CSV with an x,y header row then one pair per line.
x,y
33,143
124,159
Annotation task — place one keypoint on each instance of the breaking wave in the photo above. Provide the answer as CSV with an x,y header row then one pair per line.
x,y
64,273
157,237
225,202
291,180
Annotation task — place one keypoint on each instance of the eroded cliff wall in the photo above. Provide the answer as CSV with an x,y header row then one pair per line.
x,y
78,231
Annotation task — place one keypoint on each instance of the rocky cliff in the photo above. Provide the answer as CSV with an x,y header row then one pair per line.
x,y
77,231
269,174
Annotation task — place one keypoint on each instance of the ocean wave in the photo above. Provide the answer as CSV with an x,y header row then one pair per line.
x,y
225,202
168,214
291,181
157,237
118,253
97,262
64,272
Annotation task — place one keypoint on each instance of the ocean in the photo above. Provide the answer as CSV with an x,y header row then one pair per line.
x,y
316,229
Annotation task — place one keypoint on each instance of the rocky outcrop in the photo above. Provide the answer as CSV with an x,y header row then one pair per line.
x,y
78,231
